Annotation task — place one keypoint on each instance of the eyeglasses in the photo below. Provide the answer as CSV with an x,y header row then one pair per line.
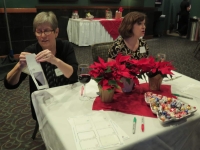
x,y
47,32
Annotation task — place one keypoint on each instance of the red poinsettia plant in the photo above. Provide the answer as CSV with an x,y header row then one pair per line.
x,y
108,74
163,68
136,68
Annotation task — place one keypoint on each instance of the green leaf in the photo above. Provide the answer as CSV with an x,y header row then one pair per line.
x,y
108,70
112,82
128,80
98,79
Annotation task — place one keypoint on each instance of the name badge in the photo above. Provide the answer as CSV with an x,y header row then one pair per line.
x,y
142,49
58,72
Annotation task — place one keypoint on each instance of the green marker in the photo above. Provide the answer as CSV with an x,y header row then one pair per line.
x,y
182,96
134,125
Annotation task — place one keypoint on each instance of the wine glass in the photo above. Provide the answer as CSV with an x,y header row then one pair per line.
x,y
161,57
84,77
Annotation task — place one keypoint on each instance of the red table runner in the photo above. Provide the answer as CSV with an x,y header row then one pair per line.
x,y
132,103
111,26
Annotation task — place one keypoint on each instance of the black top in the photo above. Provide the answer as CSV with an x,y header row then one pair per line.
x,y
65,52
119,46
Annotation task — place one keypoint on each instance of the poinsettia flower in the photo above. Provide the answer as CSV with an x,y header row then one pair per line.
x,y
120,58
121,9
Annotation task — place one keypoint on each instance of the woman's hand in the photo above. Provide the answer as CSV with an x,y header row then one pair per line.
x,y
22,59
46,55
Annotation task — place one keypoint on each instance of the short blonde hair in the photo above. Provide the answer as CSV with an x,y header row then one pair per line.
x,y
45,17
126,26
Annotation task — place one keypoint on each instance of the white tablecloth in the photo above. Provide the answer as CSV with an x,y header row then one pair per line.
x,y
84,32
54,106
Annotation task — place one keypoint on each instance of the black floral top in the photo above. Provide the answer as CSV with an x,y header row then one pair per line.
x,y
119,46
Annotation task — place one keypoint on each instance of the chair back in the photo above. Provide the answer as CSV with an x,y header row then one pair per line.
x,y
101,50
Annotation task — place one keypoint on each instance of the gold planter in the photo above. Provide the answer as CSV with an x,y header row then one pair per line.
x,y
107,95
155,82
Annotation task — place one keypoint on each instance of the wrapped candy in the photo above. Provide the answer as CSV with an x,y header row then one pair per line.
x,y
168,108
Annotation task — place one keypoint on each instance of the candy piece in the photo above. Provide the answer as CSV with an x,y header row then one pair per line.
x,y
162,118
155,108
172,114
166,108
172,109
173,104
178,104
154,95
149,93
168,116
160,96
164,113
186,111
188,107
151,100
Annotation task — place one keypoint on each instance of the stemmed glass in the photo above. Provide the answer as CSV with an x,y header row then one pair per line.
x,y
84,77
161,57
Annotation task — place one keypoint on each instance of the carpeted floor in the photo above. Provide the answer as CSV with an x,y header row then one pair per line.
x,y
16,125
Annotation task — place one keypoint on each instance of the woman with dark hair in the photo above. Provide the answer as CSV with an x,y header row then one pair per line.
x,y
130,41
184,18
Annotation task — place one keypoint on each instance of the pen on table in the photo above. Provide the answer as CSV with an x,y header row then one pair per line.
x,y
182,96
172,78
142,124
134,124
82,90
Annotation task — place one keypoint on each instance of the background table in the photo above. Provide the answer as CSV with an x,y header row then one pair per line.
x,y
54,106
84,32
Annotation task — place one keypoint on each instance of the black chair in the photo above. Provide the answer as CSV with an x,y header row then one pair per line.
x,y
35,130
101,50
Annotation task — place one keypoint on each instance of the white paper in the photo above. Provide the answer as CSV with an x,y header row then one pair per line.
x,y
95,131
36,72
25,70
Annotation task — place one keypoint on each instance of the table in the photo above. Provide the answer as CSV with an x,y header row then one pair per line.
x,y
83,32
54,106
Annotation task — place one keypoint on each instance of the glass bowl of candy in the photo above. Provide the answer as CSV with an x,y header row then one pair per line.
x,y
167,108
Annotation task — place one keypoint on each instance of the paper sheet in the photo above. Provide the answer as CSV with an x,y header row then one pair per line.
x,y
36,72
96,131
25,70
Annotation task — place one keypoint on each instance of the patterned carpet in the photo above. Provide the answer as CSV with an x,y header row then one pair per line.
x,y
16,125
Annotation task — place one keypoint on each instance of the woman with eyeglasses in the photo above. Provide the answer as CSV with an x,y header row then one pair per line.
x,y
53,54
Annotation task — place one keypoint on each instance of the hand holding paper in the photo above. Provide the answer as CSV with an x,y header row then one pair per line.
x,y
36,72
22,59
45,55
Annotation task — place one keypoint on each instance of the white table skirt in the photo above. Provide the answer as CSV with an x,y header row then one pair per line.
x,y
85,32
54,106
